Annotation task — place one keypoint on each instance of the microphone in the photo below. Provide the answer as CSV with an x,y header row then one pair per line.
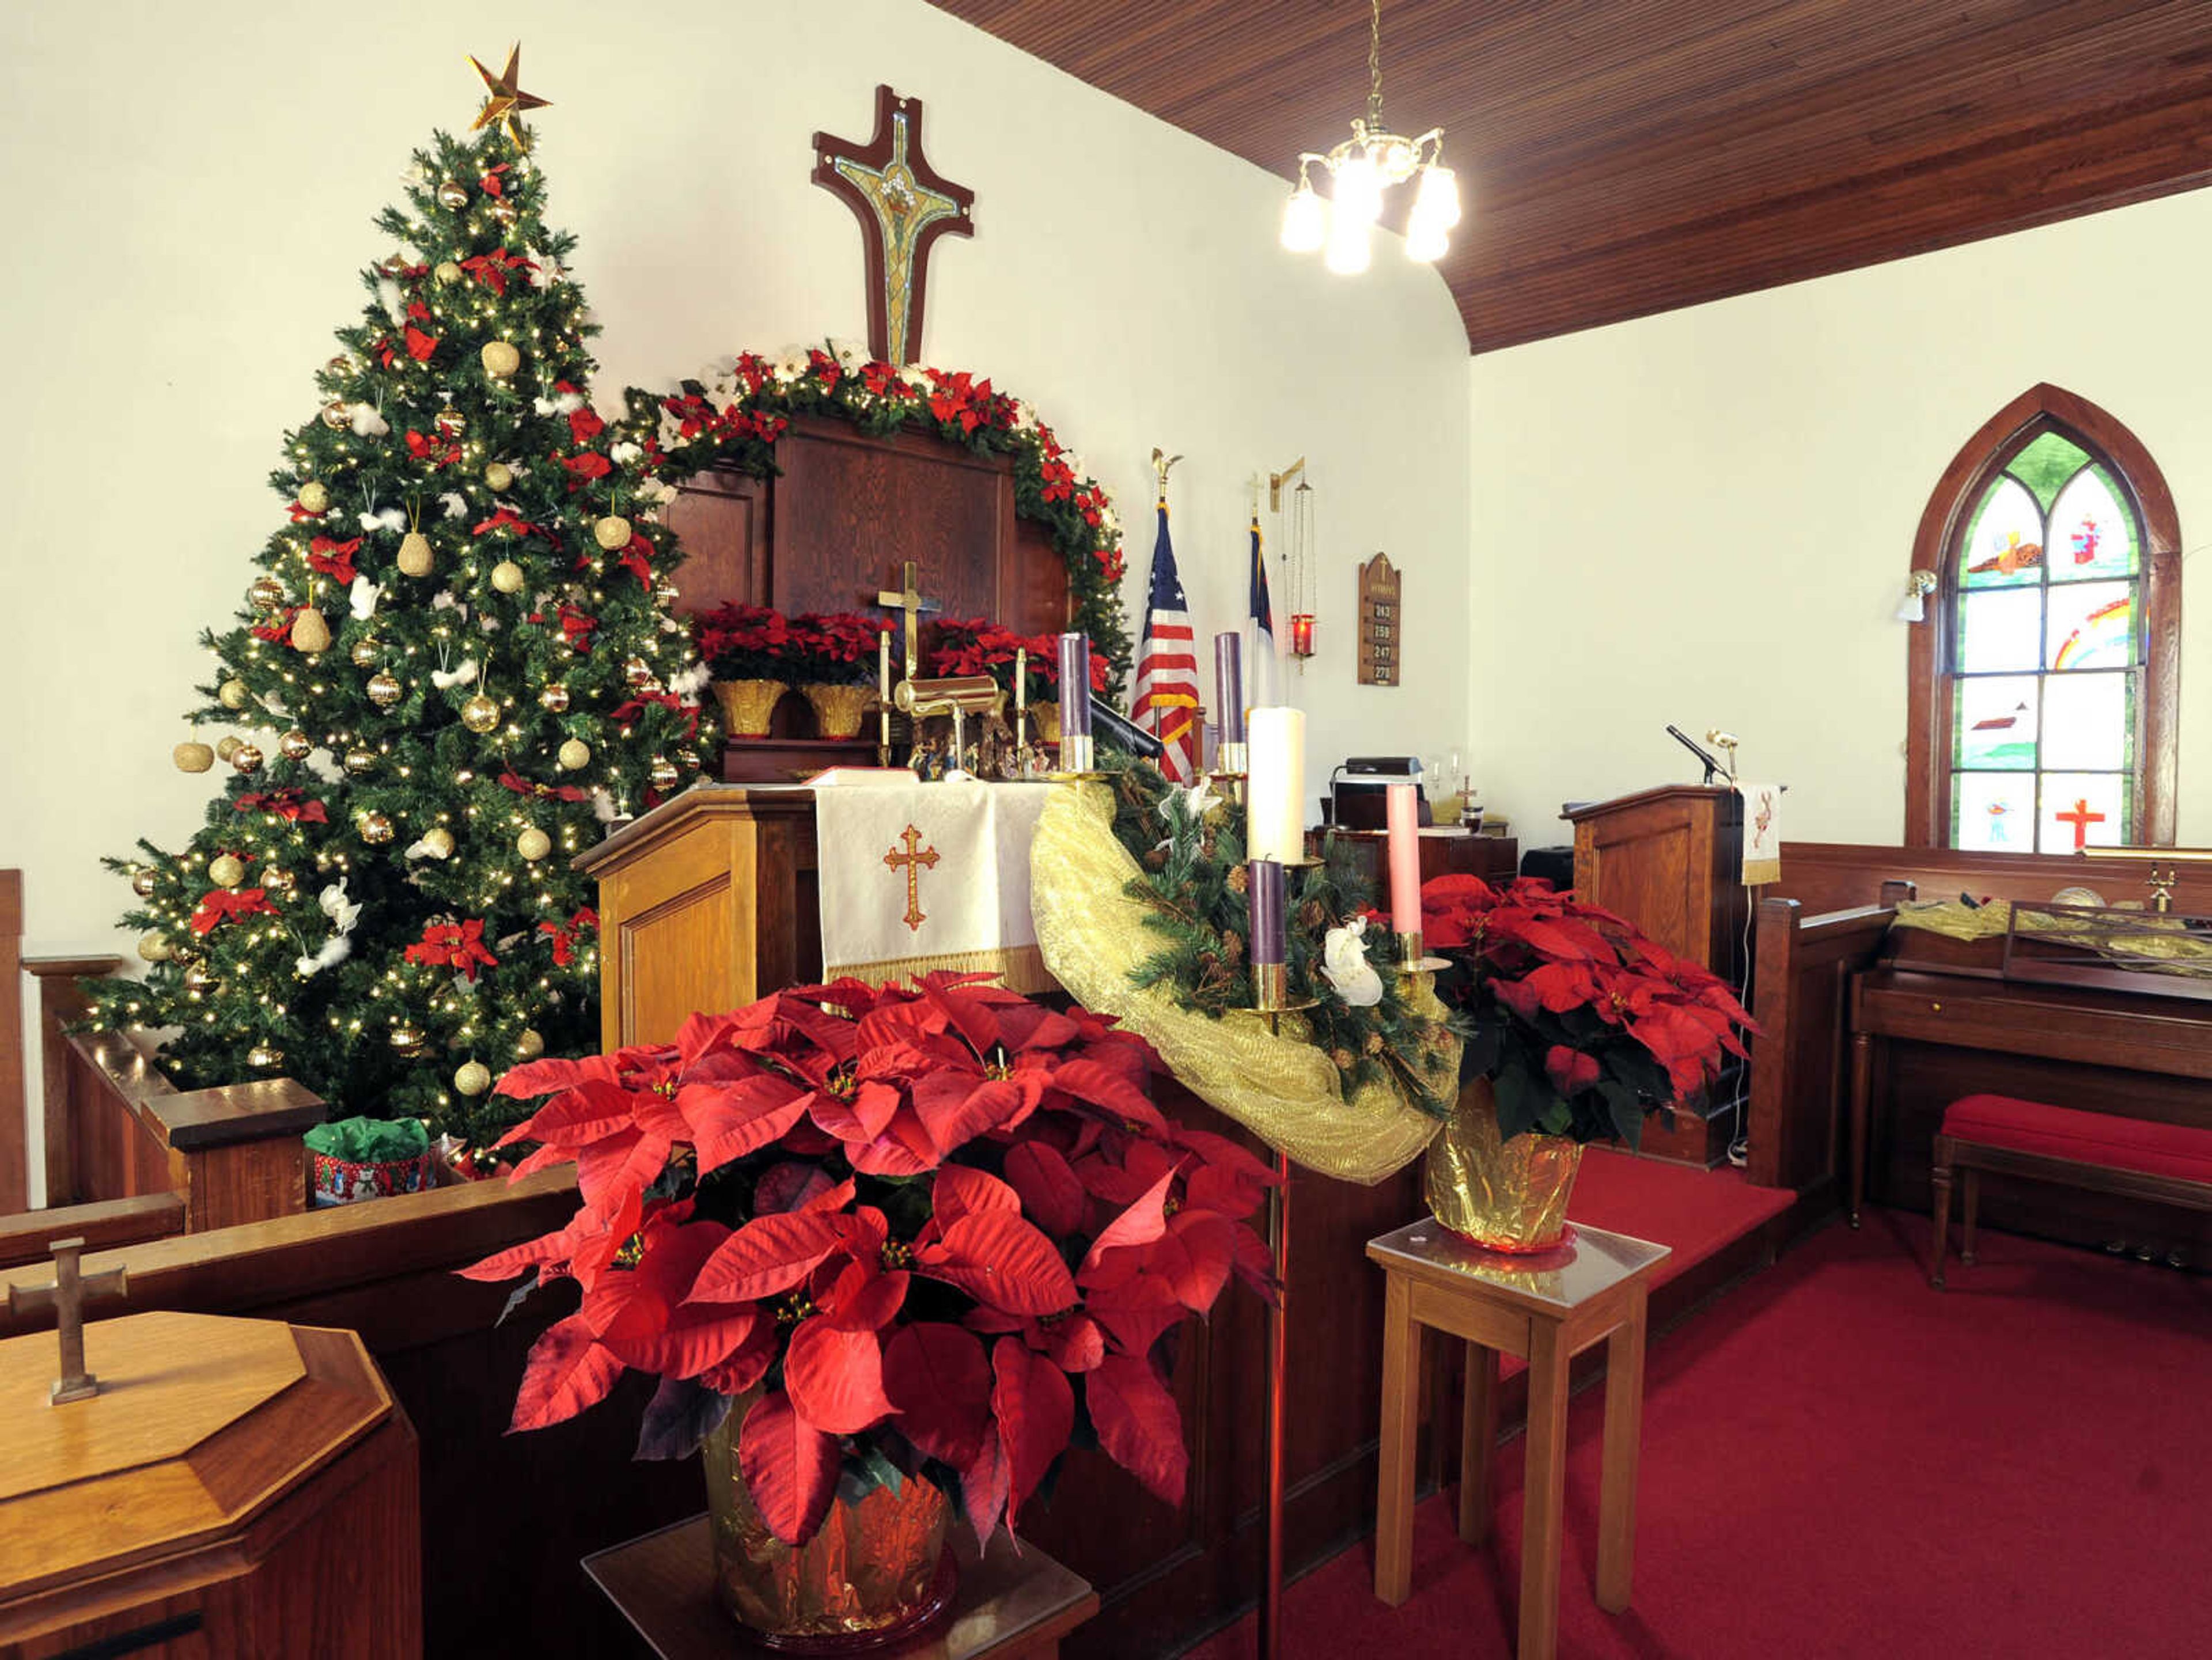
x,y
1713,767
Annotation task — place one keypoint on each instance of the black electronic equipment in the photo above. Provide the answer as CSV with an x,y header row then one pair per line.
x,y
1111,727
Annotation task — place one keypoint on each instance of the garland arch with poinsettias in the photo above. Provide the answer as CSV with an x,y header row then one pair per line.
x,y
941,1232
735,419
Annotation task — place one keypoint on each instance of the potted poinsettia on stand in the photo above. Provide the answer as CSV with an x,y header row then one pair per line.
x,y
885,1250
1578,1027
748,651
834,656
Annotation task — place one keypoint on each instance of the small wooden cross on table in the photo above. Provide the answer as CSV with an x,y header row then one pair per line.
x,y
66,1296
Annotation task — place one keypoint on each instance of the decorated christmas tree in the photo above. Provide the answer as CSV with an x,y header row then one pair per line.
x,y
453,667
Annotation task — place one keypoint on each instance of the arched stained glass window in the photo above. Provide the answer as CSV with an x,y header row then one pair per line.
x,y
2045,678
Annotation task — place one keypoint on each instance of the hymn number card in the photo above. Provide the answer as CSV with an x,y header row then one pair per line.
x,y
1380,610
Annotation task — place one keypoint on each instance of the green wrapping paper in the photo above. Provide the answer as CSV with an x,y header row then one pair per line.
x,y
370,1140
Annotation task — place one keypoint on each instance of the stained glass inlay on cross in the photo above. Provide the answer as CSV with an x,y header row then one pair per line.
x,y
904,205
2045,656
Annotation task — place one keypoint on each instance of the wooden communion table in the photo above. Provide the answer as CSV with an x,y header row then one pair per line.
x,y
1543,1308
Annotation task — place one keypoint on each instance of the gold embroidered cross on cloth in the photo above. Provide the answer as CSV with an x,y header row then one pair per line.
x,y
916,877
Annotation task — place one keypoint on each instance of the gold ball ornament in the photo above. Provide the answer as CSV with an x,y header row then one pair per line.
x,y
266,594
612,533
154,946
226,870
192,757
438,840
533,844
453,195
507,576
663,774
383,688
451,423
266,1057
375,827
406,1038
144,880
227,745
637,671
231,694
575,755
480,713
555,698
447,273
414,554
314,496
529,1045
499,476
296,745
200,980
277,879
245,758
310,633
336,414
472,1078
361,760
364,653
503,211
500,358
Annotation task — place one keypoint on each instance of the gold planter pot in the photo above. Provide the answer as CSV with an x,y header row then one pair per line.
x,y
876,1573
747,705
1046,714
1503,1195
838,710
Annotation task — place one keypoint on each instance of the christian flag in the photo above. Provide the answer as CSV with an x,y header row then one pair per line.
x,y
1167,666
1259,659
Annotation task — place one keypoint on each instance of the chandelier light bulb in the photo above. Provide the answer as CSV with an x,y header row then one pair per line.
x,y
1437,200
1349,238
1358,194
1305,220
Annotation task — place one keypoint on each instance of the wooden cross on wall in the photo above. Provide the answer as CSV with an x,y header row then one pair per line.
x,y
904,205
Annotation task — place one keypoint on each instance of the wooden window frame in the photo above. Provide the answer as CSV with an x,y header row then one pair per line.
x,y
1943,525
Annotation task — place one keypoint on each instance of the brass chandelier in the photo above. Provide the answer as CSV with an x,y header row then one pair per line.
x,y
1361,168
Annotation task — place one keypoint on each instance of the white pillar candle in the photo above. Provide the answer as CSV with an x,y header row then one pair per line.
x,y
1276,786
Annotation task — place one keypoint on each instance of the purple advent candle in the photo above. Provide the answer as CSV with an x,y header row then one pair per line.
x,y
1229,686
1264,888
1074,685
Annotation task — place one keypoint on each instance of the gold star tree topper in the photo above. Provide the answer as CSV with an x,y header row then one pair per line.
x,y
504,100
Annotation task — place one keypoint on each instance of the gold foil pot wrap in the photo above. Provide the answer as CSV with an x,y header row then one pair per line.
x,y
838,710
1279,1086
875,1569
1504,1196
748,704
1045,714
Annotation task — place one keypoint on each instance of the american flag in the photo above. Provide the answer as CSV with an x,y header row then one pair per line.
x,y
1167,666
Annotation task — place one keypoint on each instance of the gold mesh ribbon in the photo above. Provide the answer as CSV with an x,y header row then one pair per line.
x,y
1281,1088
2146,934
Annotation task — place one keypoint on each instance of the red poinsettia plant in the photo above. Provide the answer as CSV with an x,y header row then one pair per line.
x,y
974,646
744,642
943,1229
1582,1024
836,648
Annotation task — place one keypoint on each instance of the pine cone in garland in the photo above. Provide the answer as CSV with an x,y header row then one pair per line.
x,y
1232,948
1375,1042
1311,916
1239,879
1343,1058
1157,858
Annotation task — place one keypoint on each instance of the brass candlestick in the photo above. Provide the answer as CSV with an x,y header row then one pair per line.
x,y
1414,958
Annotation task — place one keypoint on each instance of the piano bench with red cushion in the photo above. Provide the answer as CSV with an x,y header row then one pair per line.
x,y
2137,1157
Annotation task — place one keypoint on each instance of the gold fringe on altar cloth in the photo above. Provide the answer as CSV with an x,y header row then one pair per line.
x,y
1282,1088
1020,967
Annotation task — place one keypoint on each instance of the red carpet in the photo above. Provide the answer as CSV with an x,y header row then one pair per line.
x,y
1697,1212
2020,1467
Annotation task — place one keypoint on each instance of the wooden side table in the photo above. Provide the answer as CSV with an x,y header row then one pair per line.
x,y
1009,1606
1544,1309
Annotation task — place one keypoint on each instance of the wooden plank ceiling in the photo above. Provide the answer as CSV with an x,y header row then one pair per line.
x,y
1621,157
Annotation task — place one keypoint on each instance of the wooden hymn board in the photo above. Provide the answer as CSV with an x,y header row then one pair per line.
x,y
1379,612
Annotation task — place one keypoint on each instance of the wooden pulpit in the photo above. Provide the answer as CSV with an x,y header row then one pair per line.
x,y
234,1488
1669,860
708,902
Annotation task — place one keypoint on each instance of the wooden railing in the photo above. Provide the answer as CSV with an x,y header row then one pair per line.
x,y
1805,964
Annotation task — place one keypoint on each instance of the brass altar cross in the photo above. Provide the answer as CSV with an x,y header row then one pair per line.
x,y
904,205
909,600
66,1296
915,862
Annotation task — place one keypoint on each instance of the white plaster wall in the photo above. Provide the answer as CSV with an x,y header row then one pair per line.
x,y
189,190
1706,516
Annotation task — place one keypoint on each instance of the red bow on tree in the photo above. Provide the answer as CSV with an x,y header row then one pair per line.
x,y
588,465
420,346
522,786
506,518
221,905
300,515
456,945
565,937
637,706
436,452
492,268
490,183
276,627
288,805
578,626
333,559
637,559
584,426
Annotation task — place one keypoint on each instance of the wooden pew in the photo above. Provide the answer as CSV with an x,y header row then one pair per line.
x,y
1801,999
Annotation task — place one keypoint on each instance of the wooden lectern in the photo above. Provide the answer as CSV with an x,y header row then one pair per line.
x,y
708,902
1670,861
233,1487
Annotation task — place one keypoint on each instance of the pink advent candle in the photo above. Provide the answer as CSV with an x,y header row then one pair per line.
x,y
1403,824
